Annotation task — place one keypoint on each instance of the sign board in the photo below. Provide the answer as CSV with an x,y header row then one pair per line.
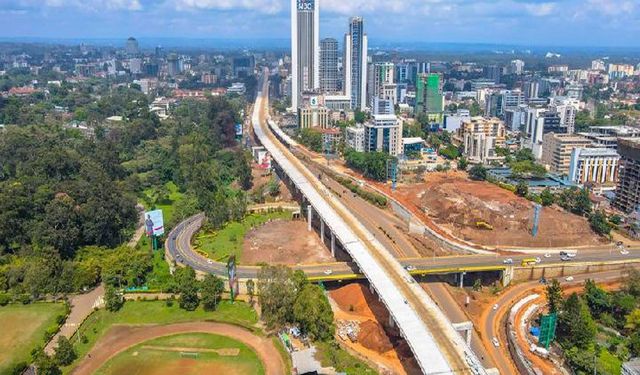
x,y
234,286
238,130
306,5
154,223
547,329
313,101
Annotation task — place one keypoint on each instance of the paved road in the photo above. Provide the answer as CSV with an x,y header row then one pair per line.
x,y
492,322
121,338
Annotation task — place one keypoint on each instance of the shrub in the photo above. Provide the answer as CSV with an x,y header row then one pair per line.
x,y
4,299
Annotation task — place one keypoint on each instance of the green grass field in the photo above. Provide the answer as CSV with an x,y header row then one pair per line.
x,y
23,328
157,312
228,241
331,354
164,358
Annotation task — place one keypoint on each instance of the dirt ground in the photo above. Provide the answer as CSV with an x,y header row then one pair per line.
x,y
284,242
119,338
377,341
456,203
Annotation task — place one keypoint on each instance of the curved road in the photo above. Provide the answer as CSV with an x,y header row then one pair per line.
x,y
121,338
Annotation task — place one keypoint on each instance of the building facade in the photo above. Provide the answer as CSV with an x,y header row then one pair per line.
x,y
313,117
557,150
628,189
354,137
383,134
429,96
305,48
480,138
329,79
355,64
598,166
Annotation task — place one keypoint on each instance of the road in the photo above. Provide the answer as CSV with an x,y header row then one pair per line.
x,y
492,320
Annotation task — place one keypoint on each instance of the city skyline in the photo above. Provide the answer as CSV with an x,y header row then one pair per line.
x,y
518,22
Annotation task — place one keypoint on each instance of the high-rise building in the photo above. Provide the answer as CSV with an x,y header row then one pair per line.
x,y
429,96
628,190
329,66
382,84
173,65
383,134
355,63
131,48
480,138
305,48
557,150
243,66
516,67
597,65
493,72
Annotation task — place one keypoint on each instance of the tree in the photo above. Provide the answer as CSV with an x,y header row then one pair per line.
x,y
576,326
46,365
546,197
632,282
599,223
525,154
463,163
313,313
360,116
276,295
113,300
65,353
633,320
522,189
478,172
554,296
211,291
597,298
582,203
251,289
188,289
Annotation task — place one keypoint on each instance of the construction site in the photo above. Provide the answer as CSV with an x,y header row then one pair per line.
x,y
483,213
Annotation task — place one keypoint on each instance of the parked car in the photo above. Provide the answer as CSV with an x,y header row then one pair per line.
x,y
538,260
508,261
495,342
624,252
569,278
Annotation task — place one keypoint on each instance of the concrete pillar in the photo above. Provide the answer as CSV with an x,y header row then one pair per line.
x,y
333,244
309,217
507,276
468,337
392,323
462,279
322,231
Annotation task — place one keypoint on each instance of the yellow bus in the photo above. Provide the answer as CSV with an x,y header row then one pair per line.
x,y
529,262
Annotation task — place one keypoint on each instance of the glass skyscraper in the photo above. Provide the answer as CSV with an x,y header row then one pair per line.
x,y
355,63
305,48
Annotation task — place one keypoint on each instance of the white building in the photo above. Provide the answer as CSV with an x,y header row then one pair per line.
x,y
598,65
567,108
594,165
355,137
516,67
452,122
480,138
355,63
305,48
384,134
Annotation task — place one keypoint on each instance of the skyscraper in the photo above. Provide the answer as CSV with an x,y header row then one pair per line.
x,y
305,48
382,83
429,98
355,64
131,47
329,65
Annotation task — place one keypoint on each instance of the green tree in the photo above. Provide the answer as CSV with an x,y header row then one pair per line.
x,y
554,296
360,117
599,223
112,299
46,365
65,354
583,203
478,172
251,289
312,138
522,189
188,288
597,298
576,326
463,163
547,198
313,312
276,294
633,320
211,291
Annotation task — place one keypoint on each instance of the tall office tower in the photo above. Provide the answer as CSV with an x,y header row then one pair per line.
x,y
628,189
382,84
305,48
429,97
131,48
355,64
329,65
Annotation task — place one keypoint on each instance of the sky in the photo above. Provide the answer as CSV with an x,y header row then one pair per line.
x,y
610,23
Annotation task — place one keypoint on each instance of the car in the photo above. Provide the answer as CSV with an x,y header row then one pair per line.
x,y
495,307
543,280
495,342
565,259
508,261
209,261
547,255
328,272
410,268
538,260
624,252
568,278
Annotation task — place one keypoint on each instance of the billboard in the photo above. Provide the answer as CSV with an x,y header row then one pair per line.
x,y
154,223
238,130
234,286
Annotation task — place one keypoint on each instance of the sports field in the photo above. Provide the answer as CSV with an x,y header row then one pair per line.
x,y
186,354
22,329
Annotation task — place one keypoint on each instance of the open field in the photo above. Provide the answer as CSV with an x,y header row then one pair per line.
x,y
220,245
23,328
156,312
284,242
456,204
206,353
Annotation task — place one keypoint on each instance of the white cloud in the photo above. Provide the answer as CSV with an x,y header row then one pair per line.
x,y
262,6
94,5
541,9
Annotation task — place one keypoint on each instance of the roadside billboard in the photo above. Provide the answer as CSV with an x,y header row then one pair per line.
x,y
234,286
238,130
154,223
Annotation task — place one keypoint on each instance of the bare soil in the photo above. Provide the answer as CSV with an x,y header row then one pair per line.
x,y
456,204
284,242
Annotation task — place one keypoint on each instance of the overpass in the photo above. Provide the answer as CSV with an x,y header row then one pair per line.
x,y
438,349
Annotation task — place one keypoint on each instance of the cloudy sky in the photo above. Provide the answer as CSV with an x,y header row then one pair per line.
x,y
524,22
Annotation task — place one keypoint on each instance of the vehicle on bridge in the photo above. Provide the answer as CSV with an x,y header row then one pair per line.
x,y
527,262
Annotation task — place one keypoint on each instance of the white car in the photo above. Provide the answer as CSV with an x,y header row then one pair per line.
x,y
495,307
328,272
410,268
538,260
624,252
547,255
508,261
495,342
209,261
568,278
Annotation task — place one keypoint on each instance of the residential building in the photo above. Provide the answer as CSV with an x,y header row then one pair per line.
x,y
383,107
499,101
597,65
330,139
617,71
558,69
381,82
355,64
329,78
383,134
173,66
305,48
628,189
557,150
480,138
597,166
354,137
429,97
566,108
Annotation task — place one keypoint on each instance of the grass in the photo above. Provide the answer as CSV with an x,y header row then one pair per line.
x,y
157,312
23,329
228,241
330,354
141,360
